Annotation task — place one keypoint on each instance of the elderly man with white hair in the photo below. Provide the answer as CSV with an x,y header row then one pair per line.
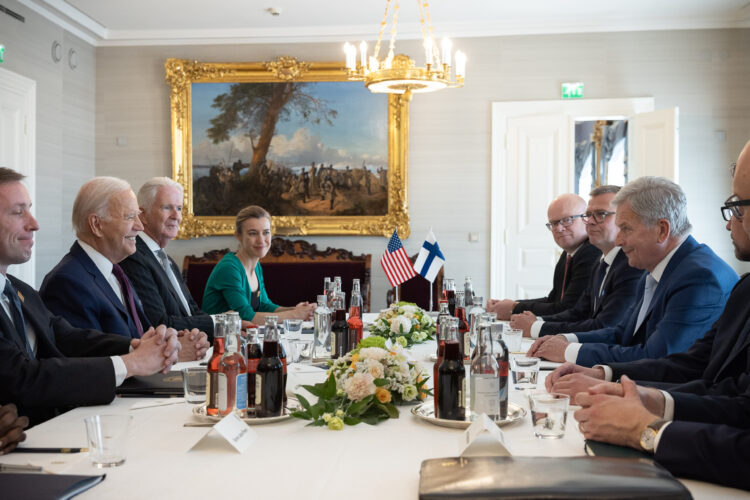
x,y
88,287
154,275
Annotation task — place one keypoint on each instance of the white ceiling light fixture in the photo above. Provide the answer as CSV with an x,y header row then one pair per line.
x,y
398,74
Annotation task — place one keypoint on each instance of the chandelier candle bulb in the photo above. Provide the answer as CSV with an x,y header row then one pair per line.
x,y
363,52
428,51
446,52
460,64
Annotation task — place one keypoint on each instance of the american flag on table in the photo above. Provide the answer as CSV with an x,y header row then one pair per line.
x,y
396,263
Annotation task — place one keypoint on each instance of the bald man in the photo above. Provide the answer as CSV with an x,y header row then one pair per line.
x,y
573,269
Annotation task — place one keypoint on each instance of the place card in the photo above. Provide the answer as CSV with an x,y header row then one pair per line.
x,y
483,438
233,431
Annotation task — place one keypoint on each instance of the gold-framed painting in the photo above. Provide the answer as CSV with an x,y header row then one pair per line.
x,y
322,154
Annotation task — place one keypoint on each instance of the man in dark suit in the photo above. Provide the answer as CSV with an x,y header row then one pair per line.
x,y
573,269
45,363
612,286
154,275
88,287
684,292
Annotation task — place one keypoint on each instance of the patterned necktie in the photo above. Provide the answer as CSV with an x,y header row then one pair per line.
x,y
600,274
127,292
17,314
172,278
565,276
648,294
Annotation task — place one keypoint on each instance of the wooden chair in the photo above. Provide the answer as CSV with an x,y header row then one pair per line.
x,y
417,290
293,271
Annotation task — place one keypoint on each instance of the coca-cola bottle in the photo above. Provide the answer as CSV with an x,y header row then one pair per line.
x,y
232,379
500,351
339,328
212,367
272,322
254,353
445,329
484,383
451,382
449,294
269,378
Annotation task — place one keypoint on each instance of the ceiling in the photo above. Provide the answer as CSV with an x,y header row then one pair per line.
x,y
173,22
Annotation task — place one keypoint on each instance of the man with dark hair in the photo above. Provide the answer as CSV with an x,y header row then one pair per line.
x,y
613,284
573,269
679,298
45,363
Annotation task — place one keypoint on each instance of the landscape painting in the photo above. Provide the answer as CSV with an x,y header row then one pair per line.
x,y
322,154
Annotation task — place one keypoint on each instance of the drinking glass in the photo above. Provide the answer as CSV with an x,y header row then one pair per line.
x,y
194,384
297,347
513,339
107,436
549,412
525,372
293,328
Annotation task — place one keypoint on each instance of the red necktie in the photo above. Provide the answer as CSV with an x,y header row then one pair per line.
x,y
127,291
565,276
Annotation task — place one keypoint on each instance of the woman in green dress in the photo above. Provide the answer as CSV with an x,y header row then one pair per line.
x,y
236,283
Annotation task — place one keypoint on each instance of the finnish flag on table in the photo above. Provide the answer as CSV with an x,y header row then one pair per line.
x,y
430,258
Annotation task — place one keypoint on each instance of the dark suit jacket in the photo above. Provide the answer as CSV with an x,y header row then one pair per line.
x,y
690,296
77,291
618,294
710,382
714,453
581,266
71,367
161,303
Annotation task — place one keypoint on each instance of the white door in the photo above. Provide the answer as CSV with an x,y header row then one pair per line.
x,y
653,144
17,142
538,169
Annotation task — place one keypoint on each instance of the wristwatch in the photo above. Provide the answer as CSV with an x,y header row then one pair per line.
x,y
648,436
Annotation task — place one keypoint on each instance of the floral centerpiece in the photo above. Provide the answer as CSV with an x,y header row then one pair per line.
x,y
405,323
364,386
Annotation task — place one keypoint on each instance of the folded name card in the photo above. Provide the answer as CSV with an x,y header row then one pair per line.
x,y
482,438
233,430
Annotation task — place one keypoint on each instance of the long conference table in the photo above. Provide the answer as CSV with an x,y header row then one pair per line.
x,y
287,460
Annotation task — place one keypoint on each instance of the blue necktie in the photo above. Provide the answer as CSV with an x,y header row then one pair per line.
x,y
600,274
648,294
17,313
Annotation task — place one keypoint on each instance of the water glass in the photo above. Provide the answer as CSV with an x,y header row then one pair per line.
x,y
297,347
512,339
293,328
107,436
549,412
194,384
525,372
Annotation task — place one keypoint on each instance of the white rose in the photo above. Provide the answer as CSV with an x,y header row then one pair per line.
x,y
400,324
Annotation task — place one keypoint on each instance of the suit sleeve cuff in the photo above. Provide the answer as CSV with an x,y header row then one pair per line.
x,y
121,371
213,320
668,406
570,337
536,327
608,374
659,435
571,352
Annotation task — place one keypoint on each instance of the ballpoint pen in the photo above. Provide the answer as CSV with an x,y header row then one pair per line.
x,y
49,450
19,468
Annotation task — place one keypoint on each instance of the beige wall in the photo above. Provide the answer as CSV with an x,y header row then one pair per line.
x,y
705,73
64,123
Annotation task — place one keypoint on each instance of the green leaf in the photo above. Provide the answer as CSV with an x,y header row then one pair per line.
x,y
388,409
316,411
303,401
374,419
304,415
351,421
315,390
380,382
316,423
360,406
329,388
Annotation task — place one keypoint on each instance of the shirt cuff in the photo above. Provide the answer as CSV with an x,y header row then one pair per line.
x,y
607,372
536,327
668,406
570,337
658,436
121,371
571,352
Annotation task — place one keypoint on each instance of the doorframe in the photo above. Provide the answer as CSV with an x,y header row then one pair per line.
x,y
25,89
576,110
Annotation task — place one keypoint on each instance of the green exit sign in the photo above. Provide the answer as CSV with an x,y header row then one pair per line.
x,y
2,54
572,90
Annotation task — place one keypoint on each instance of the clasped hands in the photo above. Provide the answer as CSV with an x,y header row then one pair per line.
x,y
161,347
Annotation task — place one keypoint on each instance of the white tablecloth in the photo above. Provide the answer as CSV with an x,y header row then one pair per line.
x,y
288,460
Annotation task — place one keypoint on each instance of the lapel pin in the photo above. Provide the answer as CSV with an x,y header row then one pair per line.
x,y
20,295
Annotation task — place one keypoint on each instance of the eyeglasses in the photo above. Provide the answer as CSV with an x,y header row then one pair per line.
x,y
733,208
564,222
598,216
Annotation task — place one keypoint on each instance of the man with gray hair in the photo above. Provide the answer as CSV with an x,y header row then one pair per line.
x,y
679,298
88,287
154,275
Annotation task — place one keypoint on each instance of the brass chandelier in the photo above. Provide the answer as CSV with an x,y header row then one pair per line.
x,y
398,74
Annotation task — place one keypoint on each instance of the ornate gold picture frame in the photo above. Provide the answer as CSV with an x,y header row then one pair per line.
x,y
369,198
